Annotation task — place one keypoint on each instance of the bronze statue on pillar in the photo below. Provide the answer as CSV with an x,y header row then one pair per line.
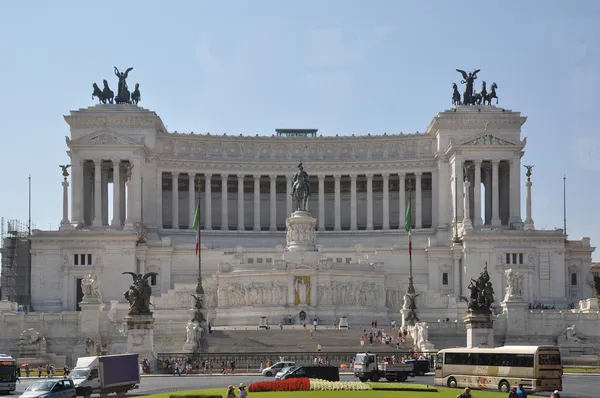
x,y
481,296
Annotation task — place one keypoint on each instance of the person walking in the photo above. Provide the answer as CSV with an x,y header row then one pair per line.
x,y
521,393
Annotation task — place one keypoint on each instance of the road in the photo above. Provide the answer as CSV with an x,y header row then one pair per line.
x,y
575,386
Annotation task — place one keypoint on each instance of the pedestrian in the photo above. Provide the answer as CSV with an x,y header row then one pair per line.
x,y
521,393
27,370
243,392
232,366
465,394
513,393
555,394
18,374
230,392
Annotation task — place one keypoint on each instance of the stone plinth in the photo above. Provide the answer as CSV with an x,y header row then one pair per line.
x,y
516,316
89,325
140,336
480,331
589,305
301,235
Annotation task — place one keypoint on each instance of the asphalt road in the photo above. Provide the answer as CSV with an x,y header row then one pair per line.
x,y
575,386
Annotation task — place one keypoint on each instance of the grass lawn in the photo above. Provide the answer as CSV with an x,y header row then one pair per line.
x,y
581,370
442,393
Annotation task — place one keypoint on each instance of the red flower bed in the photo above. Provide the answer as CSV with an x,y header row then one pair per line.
x,y
300,384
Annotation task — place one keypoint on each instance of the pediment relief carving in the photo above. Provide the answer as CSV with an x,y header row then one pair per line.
x,y
302,266
102,138
487,140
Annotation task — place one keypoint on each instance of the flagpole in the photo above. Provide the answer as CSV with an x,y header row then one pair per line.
x,y
411,287
565,205
199,288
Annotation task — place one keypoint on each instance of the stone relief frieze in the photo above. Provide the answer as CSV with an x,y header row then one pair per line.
x,y
242,295
488,140
359,294
393,299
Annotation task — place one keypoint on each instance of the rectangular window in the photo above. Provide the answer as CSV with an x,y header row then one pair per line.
x,y
269,260
82,258
250,261
259,260
507,258
520,258
153,280
574,279
445,279
514,258
89,259
76,259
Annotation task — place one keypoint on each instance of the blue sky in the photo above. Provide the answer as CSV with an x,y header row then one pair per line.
x,y
344,67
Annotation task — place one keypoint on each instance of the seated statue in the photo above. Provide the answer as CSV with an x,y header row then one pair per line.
x,y
28,337
570,336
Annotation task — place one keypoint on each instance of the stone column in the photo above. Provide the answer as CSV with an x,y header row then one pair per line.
x,y
224,203
337,203
353,223
123,204
175,200
257,202
515,191
288,194
116,221
191,199
273,200
467,226
208,201
241,207
65,223
369,201
97,193
77,191
434,199
495,195
129,207
457,249
477,220
402,199
321,202
419,201
105,220
386,200
457,185
528,220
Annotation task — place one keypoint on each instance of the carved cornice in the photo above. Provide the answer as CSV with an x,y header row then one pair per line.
x,y
115,116
476,118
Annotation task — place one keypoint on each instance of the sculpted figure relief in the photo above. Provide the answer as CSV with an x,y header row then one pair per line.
x,y
89,286
570,336
360,294
240,295
513,283
29,336
301,287
193,332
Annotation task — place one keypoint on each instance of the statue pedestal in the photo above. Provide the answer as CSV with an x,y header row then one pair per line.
x,y
480,331
343,323
140,337
514,310
301,235
89,325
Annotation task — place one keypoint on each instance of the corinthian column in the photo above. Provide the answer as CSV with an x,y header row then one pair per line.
x,y
241,207
97,193
116,221
337,203
321,202
353,223
467,226
477,220
402,199
386,201
191,199
369,201
418,200
208,201
224,203
528,220
175,200
64,223
257,202
288,194
495,195
273,202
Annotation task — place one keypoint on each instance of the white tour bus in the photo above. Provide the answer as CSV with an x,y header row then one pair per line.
x,y
538,368
8,374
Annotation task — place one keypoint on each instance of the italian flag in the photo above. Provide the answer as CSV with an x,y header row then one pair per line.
x,y
197,226
408,224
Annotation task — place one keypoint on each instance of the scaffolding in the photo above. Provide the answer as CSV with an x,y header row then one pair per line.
x,y
15,273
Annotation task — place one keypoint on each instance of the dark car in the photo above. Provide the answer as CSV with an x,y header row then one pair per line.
x,y
420,366
62,388
329,373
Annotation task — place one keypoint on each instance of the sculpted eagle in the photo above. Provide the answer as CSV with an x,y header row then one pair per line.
x,y
140,277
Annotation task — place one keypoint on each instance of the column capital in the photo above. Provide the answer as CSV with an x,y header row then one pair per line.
x,y
495,162
353,177
97,161
369,175
208,176
241,176
337,176
321,176
385,175
257,176
289,176
402,175
224,177
418,173
191,175
116,161
273,177
477,161
175,173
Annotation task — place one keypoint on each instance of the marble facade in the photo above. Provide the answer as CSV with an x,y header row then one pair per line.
x,y
465,167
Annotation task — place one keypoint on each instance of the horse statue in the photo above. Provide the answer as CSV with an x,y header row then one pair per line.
x,y
136,96
491,95
107,93
124,96
301,188
455,95
98,94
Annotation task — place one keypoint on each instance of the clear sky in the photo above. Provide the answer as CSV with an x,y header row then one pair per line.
x,y
344,67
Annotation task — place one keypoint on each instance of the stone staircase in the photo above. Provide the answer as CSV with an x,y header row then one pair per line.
x,y
292,340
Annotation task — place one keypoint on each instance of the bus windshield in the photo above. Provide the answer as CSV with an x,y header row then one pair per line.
x,y
8,372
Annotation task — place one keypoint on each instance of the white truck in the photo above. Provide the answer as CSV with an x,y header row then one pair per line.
x,y
106,374
368,367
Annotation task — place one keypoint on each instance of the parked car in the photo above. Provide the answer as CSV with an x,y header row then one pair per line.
x,y
273,370
284,371
329,373
63,388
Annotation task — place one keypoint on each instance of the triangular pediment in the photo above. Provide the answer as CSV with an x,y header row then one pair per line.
x,y
303,267
487,139
103,138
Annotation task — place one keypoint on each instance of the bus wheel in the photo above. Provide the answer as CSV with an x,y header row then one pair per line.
x,y
504,386
375,377
452,382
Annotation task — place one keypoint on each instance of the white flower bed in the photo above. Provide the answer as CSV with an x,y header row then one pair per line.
x,y
324,385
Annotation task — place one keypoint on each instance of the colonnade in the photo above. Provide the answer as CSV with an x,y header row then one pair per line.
x,y
276,189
